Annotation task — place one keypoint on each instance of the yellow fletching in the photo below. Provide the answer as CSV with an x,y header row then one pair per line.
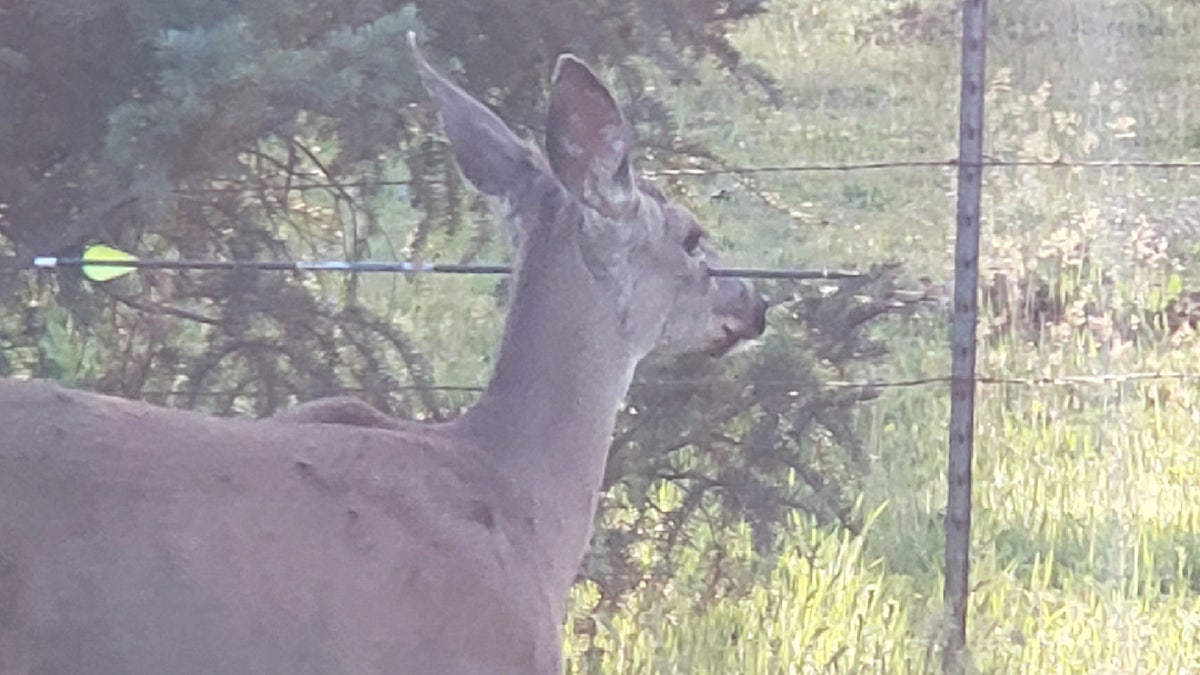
x,y
100,252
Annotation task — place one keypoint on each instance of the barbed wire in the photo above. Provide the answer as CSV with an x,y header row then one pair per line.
x,y
750,170
788,386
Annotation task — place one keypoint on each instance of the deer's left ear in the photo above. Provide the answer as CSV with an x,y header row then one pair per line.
x,y
490,155
588,140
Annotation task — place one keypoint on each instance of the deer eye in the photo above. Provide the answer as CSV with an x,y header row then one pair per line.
x,y
692,241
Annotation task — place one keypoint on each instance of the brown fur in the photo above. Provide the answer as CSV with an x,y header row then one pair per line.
x,y
333,539
127,528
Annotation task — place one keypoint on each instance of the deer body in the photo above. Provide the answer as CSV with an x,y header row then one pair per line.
x,y
167,542
136,539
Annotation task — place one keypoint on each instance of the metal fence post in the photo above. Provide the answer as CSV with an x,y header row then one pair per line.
x,y
962,384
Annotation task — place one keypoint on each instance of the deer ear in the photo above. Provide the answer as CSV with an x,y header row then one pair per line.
x,y
588,140
489,154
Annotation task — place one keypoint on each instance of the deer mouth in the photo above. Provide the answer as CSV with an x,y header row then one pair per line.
x,y
727,342
731,341
738,334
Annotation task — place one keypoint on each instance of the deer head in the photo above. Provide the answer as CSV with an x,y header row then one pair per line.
x,y
135,539
648,254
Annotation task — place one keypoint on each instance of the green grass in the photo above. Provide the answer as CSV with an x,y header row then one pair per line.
x,y
1086,548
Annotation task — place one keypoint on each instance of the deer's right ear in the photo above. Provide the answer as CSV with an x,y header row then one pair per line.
x,y
588,140
489,154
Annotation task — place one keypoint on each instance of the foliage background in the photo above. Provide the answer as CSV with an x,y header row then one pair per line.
x,y
285,130
757,519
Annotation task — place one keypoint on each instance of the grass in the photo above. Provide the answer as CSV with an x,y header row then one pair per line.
x,y
1086,550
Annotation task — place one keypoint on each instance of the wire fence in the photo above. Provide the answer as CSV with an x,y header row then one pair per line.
x,y
400,267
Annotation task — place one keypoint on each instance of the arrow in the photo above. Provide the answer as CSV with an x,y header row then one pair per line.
x,y
101,262
104,261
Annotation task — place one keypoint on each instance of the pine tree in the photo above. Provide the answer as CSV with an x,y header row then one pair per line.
x,y
281,129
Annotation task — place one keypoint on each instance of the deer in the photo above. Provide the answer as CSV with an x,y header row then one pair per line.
x,y
137,539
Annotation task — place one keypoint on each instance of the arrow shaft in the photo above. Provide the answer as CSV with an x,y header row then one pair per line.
x,y
361,267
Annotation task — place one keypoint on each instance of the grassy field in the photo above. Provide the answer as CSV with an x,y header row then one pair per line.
x,y
1086,554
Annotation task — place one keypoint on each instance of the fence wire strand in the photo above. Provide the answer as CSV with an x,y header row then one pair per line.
x,y
1099,379
751,170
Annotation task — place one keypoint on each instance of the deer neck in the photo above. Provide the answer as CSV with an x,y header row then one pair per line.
x,y
548,414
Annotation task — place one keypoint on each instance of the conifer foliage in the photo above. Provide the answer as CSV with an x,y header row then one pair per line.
x,y
284,129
